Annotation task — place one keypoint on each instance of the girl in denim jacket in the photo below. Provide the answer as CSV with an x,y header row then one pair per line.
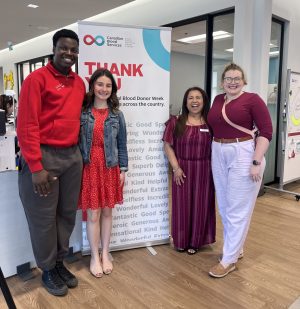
x,y
104,150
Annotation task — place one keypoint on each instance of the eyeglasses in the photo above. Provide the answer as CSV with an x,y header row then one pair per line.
x,y
229,80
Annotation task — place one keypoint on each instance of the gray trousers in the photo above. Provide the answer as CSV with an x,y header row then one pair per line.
x,y
51,219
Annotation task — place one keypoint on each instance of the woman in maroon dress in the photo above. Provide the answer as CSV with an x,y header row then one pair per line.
x,y
187,143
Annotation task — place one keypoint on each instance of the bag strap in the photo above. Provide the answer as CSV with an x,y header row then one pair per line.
x,y
250,132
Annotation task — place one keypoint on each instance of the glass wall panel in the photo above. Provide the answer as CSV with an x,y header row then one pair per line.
x,y
36,65
223,32
188,50
26,70
26,67
273,99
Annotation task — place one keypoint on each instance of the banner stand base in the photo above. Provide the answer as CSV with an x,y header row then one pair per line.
x,y
86,250
24,271
151,250
296,194
71,258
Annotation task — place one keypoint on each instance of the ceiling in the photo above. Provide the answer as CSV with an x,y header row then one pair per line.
x,y
20,23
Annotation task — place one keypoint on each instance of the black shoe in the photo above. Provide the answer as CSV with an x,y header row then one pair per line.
x,y
53,283
69,279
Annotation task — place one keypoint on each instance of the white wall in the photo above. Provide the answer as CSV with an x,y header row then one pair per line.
x,y
252,32
289,10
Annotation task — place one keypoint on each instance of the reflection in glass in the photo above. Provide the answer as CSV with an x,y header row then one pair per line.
x,y
222,49
188,48
272,98
26,69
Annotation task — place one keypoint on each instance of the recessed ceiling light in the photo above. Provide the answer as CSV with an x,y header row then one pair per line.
x,y
229,50
33,6
201,37
193,39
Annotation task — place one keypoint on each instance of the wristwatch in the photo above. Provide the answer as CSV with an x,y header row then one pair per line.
x,y
255,162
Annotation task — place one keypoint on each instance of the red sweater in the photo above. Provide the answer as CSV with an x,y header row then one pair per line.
x,y
247,109
49,112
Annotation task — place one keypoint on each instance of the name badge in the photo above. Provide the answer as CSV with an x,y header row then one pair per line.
x,y
204,130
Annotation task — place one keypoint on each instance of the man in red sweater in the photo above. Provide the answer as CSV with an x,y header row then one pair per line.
x,y
50,166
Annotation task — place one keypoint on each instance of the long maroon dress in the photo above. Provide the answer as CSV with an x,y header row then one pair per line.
x,y
193,203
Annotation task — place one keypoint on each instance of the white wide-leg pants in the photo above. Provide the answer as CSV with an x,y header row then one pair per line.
x,y
236,193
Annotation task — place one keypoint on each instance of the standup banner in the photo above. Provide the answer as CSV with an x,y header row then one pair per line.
x,y
291,170
139,59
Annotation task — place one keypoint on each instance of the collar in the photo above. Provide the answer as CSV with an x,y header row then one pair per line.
x,y
52,69
110,113
227,100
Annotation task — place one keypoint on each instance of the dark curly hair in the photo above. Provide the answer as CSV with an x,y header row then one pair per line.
x,y
64,33
113,101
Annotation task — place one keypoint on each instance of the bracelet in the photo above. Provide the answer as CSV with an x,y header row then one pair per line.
x,y
176,169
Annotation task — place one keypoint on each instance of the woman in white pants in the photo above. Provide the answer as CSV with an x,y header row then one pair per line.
x,y
237,163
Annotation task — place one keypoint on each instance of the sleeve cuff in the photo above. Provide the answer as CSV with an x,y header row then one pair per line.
x,y
35,166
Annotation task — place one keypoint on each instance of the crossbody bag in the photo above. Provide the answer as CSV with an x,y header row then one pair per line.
x,y
253,132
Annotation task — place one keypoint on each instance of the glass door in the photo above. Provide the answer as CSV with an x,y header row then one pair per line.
x,y
188,51
273,104
222,52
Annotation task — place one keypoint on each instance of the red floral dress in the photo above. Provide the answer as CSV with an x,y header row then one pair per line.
x,y
100,185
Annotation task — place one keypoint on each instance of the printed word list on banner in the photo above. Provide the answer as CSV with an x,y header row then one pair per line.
x,y
139,59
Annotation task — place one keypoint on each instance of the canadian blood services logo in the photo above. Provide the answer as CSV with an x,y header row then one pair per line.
x,y
89,40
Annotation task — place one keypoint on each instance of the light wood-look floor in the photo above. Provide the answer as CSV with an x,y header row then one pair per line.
x,y
267,277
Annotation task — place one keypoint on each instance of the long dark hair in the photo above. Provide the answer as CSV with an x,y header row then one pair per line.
x,y
112,102
182,119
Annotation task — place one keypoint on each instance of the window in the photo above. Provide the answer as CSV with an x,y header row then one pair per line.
x,y
188,51
26,67
275,59
223,31
200,48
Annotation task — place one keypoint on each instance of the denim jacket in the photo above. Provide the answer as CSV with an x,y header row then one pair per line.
x,y
115,138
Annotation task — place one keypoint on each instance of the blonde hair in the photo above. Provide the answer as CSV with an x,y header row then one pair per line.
x,y
234,67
